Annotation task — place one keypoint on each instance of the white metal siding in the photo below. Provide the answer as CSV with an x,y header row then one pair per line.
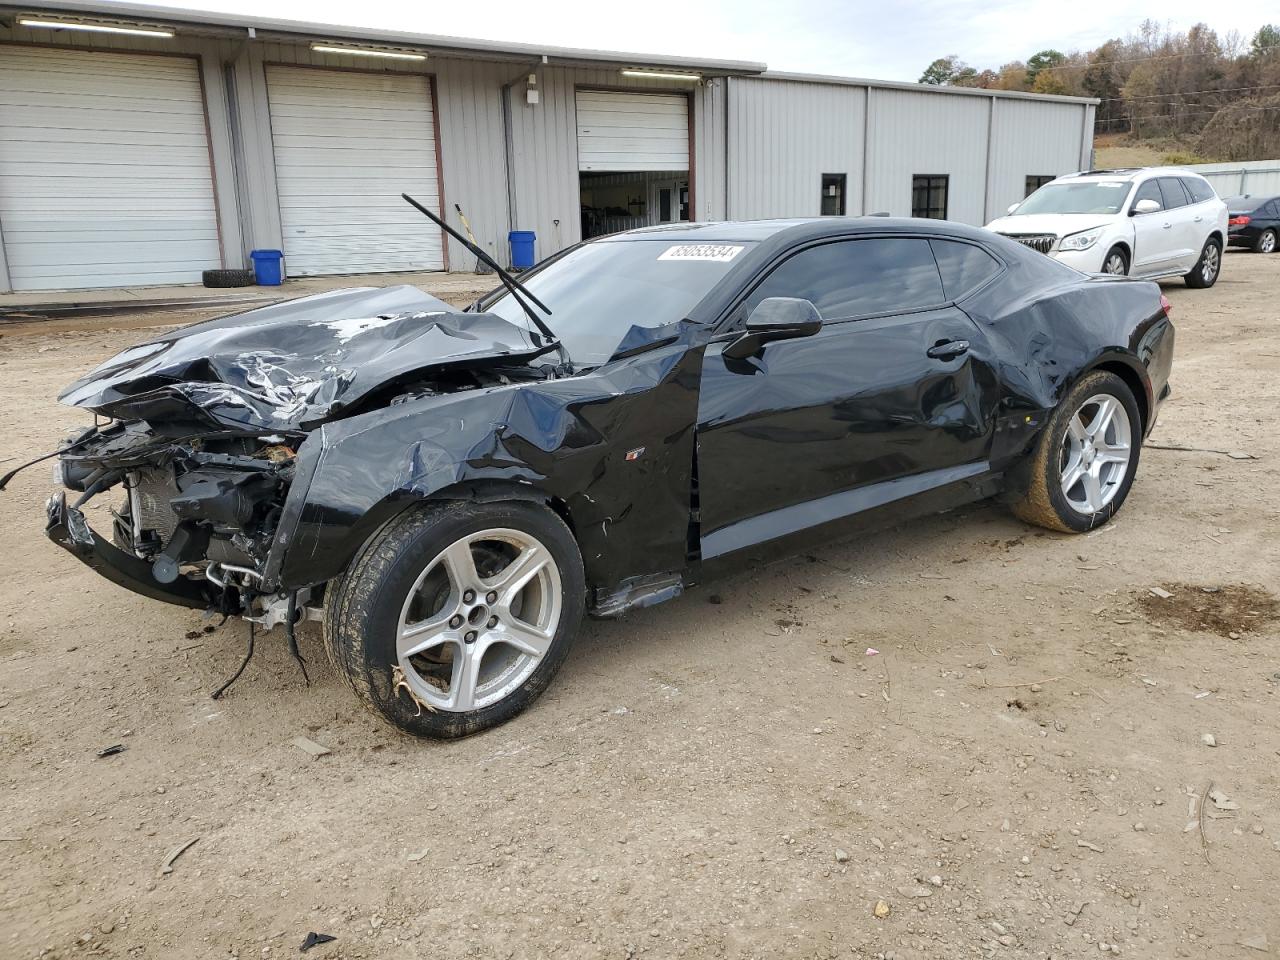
x,y
347,144
927,133
104,170
783,137
621,130
1259,178
1030,138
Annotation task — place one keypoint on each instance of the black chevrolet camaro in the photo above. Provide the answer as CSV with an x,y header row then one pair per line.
x,y
450,491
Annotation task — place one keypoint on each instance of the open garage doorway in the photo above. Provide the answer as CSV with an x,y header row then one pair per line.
x,y
633,159
612,202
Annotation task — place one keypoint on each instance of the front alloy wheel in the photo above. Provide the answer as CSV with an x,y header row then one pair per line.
x,y
1115,263
456,615
478,620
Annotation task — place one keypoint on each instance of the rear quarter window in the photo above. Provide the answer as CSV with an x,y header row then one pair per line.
x,y
1199,189
964,267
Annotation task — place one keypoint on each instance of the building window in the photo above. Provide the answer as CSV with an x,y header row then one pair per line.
x,y
1034,183
929,195
833,194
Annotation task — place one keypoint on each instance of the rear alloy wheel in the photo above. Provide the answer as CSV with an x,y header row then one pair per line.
x,y
1116,263
457,615
1085,461
1205,273
1266,242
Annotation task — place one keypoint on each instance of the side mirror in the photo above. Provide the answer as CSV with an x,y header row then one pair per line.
x,y
1146,205
777,318
1013,207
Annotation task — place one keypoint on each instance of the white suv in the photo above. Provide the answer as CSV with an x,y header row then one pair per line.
x,y
1154,222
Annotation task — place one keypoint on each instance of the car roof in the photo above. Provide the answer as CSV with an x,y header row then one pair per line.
x,y
1130,174
794,230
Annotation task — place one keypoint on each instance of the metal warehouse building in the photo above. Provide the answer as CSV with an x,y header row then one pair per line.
x,y
140,145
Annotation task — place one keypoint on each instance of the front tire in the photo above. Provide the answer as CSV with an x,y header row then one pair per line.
x,y
1084,463
1116,262
1266,242
456,615
1205,273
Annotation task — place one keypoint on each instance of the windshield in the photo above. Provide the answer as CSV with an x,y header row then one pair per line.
x,y
1096,196
600,290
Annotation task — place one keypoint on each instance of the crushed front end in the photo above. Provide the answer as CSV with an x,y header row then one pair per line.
x,y
200,436
195,514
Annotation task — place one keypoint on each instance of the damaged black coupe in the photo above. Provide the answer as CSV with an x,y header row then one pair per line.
x,y
450,491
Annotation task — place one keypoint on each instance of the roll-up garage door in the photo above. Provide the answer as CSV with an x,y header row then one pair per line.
x,y
104,170
625,131
346,146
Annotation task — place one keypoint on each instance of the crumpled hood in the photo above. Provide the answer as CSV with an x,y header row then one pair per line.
x,y
294,365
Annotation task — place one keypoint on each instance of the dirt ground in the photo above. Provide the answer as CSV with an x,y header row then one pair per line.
x,y
1021,771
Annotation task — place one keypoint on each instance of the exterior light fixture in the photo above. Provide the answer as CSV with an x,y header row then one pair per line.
x,y
94,27
367,52
658,75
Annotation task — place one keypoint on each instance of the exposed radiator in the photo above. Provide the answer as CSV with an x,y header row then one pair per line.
x,y
149,495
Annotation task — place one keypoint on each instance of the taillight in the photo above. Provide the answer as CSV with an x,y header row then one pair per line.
x,y
1165,305
1239,221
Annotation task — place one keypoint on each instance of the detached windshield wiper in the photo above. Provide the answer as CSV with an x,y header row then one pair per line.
x,y
514,286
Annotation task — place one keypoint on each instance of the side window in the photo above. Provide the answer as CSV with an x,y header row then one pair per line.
x,y
1148,191
1174,195
854,278
1199,190
963,266
929,195
1035,182
1273,209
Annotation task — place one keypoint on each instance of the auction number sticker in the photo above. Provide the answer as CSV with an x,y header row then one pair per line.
x,y
716,252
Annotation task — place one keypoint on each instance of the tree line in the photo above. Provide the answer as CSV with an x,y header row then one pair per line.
x,y
1220,95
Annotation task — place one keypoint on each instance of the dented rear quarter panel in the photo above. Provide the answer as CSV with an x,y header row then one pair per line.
x,y
1049,326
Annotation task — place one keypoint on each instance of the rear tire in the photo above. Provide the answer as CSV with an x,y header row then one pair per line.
x,y
1266,242
431,637
1207,269
1076,477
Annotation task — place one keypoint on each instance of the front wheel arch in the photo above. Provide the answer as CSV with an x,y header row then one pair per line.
x,y
1125,251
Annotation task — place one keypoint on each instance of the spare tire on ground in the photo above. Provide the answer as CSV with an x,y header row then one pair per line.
x,y
229,278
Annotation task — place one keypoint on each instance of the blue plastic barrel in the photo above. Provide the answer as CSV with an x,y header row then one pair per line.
x,y
267,268
522,248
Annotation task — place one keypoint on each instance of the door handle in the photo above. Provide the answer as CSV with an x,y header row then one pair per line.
x,y
1168,226
948,349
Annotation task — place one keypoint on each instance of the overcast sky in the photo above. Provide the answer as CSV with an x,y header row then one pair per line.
x,y
881,39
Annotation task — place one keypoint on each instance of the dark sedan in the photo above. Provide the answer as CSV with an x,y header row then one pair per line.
x,y
1254,222
450,491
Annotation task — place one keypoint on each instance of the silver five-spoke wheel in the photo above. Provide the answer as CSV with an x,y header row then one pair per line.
x,y
1096,452
478,620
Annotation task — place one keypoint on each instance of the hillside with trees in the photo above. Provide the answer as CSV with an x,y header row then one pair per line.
x,y
1193,96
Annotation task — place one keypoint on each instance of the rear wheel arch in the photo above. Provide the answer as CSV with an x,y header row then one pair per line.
x,y
1133,380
